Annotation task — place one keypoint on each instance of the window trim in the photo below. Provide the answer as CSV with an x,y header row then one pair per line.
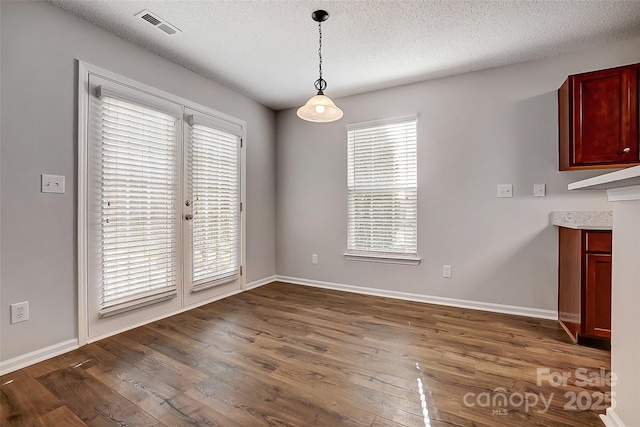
x,y
382,122
84,70
382,257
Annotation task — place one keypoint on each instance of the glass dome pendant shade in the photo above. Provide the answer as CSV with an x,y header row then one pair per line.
x,y
320,108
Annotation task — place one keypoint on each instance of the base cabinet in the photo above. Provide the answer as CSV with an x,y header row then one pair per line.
x,y
597,313
584,283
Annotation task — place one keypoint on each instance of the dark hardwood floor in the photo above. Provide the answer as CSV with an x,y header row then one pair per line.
x,y
288,355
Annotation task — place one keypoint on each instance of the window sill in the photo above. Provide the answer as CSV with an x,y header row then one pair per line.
x,y
384,259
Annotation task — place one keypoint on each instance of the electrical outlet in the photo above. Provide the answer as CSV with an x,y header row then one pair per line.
x,y
314,258
446,271
505,190
19,312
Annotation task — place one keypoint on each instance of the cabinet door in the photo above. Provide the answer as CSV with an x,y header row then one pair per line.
x,y
570,280
605,116
597,313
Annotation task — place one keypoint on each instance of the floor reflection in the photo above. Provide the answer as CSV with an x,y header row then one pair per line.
x,y
423,403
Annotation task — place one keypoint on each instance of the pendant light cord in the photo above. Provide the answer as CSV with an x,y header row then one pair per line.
x,y
320,84
320,48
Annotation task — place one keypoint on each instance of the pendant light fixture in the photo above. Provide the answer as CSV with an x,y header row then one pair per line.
x,y
320,108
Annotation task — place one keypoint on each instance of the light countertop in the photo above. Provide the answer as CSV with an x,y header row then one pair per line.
x,y
583,220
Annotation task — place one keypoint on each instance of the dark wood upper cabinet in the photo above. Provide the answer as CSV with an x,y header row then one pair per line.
x,y
598,119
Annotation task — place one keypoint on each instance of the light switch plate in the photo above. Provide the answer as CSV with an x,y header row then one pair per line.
x,y
539,190
52,183
505,190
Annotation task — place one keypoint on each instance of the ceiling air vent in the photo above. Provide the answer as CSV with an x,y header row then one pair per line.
x,y
158,22
149,18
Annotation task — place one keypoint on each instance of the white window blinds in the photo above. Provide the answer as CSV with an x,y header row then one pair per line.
x,y
139,185
214,183
382,188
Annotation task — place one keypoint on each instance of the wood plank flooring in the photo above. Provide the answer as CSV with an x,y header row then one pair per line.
x,y
288,355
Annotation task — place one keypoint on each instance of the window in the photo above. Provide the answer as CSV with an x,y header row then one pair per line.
x,y
382,191
160,214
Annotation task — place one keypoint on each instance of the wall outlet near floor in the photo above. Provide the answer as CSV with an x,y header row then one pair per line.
x,y
505,190
314,258
446,271
539,190
19,312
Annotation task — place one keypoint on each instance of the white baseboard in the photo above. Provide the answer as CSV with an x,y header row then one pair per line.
x,y
611,419
25,360
261,282
452,302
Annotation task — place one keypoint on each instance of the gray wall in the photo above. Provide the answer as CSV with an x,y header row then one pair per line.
x,y
474,131
38,85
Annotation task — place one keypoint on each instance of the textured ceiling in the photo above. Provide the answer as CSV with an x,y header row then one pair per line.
x,y
268,49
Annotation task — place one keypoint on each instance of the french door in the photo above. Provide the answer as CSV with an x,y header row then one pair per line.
x,y
162,206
